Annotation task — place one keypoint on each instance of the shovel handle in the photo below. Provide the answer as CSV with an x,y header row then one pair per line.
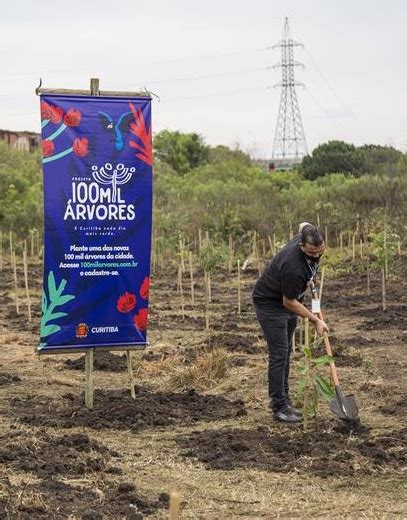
x,y
327,343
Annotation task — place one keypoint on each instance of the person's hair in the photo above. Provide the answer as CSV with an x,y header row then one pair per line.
x,y
312,235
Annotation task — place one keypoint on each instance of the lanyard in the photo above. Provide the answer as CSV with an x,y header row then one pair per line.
x,y
312,270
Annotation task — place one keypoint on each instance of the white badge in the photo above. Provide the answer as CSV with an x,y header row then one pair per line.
x,y
316,307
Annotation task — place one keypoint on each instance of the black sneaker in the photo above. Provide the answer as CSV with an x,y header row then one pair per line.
x,y
286,415
295,411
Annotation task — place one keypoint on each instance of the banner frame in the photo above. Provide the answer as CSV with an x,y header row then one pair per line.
x,y
91,349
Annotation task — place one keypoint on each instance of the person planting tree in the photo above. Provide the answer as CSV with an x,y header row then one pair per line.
x,y
277,298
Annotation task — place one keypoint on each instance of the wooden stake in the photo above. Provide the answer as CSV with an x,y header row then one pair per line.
x,y
37,236
27,292
341,243
206,300
181,290
89,379
11,248
368,275
271,245
321,284
239,296
1,249
175,502
130,372
200,238
326,236
386,259
399,247
154,251
361,248
353,247
14,267
181,254
306,332
191,275
383,289
32,242
209,287
230,257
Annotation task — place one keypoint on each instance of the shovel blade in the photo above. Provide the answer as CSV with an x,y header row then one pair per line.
x,y
344,406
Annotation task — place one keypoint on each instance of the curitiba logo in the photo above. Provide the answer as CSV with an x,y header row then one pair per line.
x,y
101,199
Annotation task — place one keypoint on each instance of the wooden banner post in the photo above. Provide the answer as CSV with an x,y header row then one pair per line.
x,y
89,378
130,372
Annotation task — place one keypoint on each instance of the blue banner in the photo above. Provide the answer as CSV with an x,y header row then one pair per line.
x,y
97,168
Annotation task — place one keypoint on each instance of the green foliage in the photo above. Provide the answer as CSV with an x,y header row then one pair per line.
x,y
181,151
312,384
332,157
383,248
221,191
219,154
55,299
21,190
382,160
210,256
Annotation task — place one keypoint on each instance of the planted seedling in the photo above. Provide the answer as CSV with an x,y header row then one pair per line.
x,y
313,385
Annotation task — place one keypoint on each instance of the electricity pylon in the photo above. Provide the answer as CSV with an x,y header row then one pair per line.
x,y
289,139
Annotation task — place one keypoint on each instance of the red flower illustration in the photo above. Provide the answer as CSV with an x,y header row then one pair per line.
x,y
141,319
126,302
72,117
145,288
45,110
138,128
47,148
56,114
80,147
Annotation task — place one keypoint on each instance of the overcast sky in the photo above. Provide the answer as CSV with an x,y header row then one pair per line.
x,y
208,62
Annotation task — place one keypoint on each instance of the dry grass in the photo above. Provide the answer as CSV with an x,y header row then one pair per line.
x,y
157,368
207,370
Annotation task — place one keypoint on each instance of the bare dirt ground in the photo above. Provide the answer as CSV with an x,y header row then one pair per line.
x,y
217,445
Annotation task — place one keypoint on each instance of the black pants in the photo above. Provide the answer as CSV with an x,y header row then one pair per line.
x,y
278,327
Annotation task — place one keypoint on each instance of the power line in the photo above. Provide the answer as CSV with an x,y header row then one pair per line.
x,y
218,94
208,76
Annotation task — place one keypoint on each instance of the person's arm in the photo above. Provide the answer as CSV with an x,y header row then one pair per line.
x,y
298,308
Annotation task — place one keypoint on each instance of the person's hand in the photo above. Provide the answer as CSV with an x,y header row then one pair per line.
x,y
320,327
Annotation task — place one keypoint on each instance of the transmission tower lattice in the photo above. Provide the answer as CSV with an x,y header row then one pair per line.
x,y
289,140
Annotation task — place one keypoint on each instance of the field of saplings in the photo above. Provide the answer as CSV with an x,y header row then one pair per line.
x,y
199,423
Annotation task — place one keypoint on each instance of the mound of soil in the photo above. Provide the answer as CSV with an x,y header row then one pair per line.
x,y
116,409
102,360
354,341
343,355
47,456
54,499
396,408
234,342
323,452
395,316
7,379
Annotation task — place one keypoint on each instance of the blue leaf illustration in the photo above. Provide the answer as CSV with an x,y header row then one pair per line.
x,y
55,299
49,329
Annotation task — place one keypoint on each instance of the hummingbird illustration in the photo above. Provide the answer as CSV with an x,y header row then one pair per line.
x,y
116,129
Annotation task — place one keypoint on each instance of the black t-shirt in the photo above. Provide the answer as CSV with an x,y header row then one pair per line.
x,y
287,274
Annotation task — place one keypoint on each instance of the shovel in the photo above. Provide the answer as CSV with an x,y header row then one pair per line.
x,y
343,406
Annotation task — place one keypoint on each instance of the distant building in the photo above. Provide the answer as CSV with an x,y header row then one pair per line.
x,y
26,141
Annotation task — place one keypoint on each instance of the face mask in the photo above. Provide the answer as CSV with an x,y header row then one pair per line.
x,y
312,258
